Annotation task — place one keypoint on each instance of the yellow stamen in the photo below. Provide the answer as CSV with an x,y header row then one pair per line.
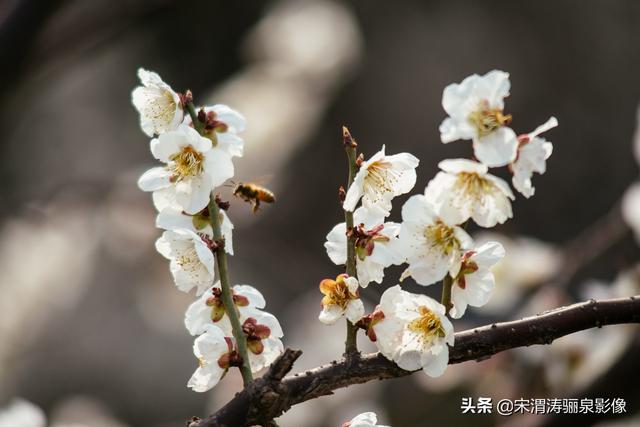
x,y
473,185
201,362
187,163
380,179
442,236
336,292
428,326
487,120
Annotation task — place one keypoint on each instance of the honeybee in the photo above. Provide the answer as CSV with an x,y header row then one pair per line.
x,y
254,194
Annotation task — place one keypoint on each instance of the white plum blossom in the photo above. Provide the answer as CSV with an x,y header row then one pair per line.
x,y
380,179
631,209
159,106
464,189
209,308
215,353
376,245
432,244
475,108
414,332
532,157
366,419
475,282
171,218
22,413
192,263
263,333
193,168
222,124
341,298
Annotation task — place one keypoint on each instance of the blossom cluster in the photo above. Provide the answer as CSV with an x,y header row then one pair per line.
x,y
413,330
196,159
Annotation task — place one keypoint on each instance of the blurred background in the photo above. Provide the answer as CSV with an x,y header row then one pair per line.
x,y
91,326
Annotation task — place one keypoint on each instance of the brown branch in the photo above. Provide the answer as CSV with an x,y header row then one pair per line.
x,y
268,397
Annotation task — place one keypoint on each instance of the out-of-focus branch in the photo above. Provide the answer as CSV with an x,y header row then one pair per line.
x,y
269,396
591,243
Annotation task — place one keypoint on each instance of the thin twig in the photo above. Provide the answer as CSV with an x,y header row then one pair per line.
x,y
227,294
223,271
351,344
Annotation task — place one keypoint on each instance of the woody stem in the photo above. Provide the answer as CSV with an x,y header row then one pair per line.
x,y
350,344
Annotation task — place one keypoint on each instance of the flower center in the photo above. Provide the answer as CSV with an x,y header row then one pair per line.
x,y
187,163
336,292
487,120
440,235
380,179
427,326
161,107
188,259
473,185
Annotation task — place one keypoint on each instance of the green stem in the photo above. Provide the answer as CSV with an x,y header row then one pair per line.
x,y
351,345
197,124
447,283
227,295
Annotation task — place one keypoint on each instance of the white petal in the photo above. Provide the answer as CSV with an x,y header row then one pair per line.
x,y
163,246
455,166
488,254
532,158
479,287
367,217
409,360
230,117
355,310
231,143
272,349
367,419
493,87
453,129
417,209
459,302
226,227
193,194
154,179
330,314
354,193
434,365
499,148
431,269
458,100
219,166
204,253
252,294
336,244
549,124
